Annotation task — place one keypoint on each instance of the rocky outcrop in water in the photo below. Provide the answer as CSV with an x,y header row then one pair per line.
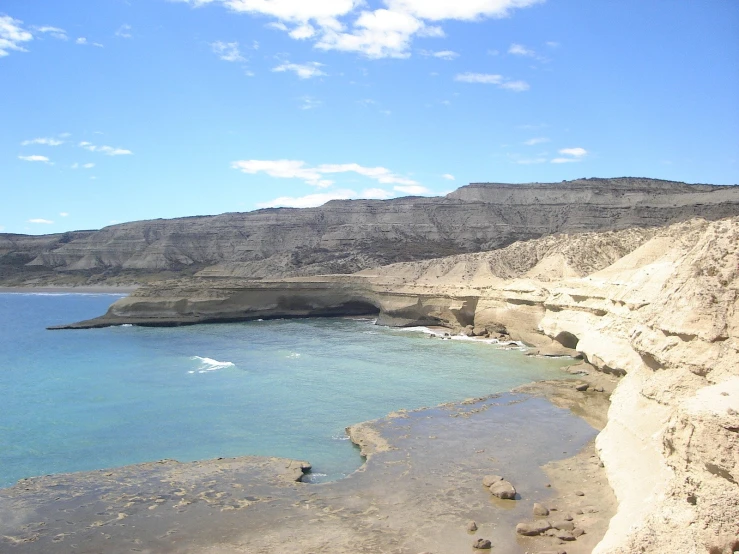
x,y
350,235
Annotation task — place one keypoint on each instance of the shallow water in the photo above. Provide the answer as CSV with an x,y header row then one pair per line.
x,y
81,400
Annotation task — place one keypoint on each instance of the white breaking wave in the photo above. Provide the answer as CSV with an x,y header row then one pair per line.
x,y
208,364
294,356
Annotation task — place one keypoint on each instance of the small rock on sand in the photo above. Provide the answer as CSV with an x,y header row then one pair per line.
x,y
552,552
472,526
540,510
565,536
489,480
579,493
482,544
563,525
582,388
533,529
504,490
577,532
568,517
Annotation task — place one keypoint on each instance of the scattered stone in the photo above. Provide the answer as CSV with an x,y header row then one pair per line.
x,y
565,536
489,480
504,490
472,526
552,552
563,525
306,467
467,331
568,517
579,512
582,388
482,544
579,493
479,331
731,411
577,532
532,529
599,389
540,510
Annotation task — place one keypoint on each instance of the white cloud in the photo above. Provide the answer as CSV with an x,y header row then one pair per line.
x,y
492,79
12,34
376,194
124,31
482,78
573,155
88,166
309,201
379,33
310,103
552,44
577,152
35,158
448,176
412,189
447,55
530,161
44,141
227,51
55,32
516,86
42,221
316,176
63,214
109,150
521,50
535,141
81,40
304,71
302,32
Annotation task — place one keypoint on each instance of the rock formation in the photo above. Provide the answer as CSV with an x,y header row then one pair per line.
x,y
656,306
350,235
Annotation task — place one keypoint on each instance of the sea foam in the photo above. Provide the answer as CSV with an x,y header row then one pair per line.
x,y
209,364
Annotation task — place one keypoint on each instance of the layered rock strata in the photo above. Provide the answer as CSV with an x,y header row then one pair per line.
x,y
658,307
348,236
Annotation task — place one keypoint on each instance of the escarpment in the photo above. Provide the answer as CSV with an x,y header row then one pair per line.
x,y
343,237
658,307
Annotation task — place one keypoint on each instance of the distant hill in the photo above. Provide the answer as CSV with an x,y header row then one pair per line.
x,y
345,236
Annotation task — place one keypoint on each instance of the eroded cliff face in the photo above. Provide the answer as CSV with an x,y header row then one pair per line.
x,y
348,236
658,307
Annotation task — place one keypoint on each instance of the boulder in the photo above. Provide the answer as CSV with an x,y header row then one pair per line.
x,y
533,529
479,331
582,388
540,510
472,526
489,480
577,532
565,536
503,489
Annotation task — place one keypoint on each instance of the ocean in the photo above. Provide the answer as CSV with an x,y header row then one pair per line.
x,y
92,399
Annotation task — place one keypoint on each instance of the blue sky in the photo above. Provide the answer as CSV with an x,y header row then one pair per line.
x,y
120,110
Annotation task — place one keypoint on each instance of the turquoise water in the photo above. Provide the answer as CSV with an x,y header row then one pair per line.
x,y
82,400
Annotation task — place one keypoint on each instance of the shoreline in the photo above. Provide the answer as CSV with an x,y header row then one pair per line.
x,y
384,447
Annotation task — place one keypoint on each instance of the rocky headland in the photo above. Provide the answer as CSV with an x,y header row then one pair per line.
x,y
654,307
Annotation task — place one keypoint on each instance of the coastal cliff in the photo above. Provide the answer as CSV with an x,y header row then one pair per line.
x,y
343,237
657,307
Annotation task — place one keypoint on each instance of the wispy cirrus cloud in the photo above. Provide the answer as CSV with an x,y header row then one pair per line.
x,y
536,140
54,32
492,79
227,51
124,31
41,221
448,177
351,26
108,150
46,141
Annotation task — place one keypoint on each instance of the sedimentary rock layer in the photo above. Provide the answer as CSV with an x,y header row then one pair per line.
x,y
658,307
348,236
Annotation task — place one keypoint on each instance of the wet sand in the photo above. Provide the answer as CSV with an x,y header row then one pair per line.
x,y
420,486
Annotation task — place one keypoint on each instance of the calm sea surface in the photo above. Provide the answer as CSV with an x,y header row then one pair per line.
x,y
82,400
